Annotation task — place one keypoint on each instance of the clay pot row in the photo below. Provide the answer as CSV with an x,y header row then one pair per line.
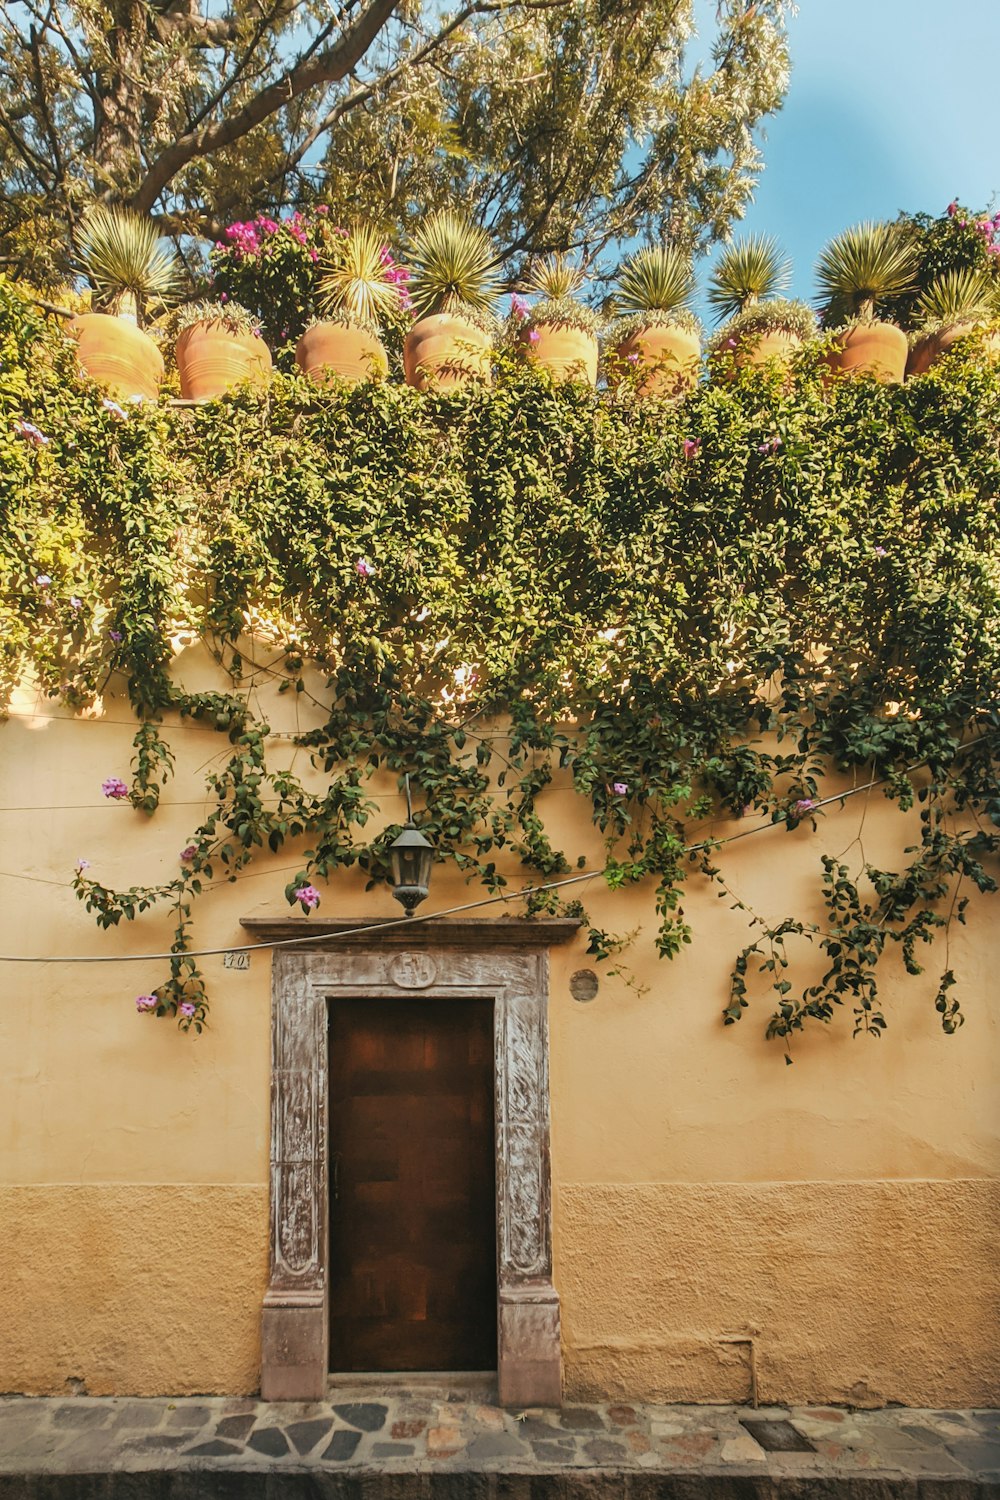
x,y
211,358
443,351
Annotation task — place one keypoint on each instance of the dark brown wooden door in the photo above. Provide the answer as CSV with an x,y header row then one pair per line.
x,y
412,1185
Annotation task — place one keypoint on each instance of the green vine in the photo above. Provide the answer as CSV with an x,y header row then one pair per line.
x,y
734,606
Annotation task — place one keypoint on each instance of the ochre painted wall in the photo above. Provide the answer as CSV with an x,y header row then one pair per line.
x,y
841,1212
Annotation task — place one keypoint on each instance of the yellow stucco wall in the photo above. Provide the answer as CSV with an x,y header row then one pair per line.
x,y
841,1211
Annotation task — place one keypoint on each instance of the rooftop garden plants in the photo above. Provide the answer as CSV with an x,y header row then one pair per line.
x,y
857,273
743,290
359,288
953,306
558,333
219,346
454,284
130,271
656,333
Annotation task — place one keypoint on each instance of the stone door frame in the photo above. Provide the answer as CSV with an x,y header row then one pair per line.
x,y
505,961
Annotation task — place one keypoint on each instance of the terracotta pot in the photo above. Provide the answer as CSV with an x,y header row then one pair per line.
x,y
442,350
118,355
211,360
877,349
671,356
927,351
567,353
758,348
330,351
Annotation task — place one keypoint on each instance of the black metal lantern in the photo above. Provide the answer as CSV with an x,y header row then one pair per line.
x,y
411,857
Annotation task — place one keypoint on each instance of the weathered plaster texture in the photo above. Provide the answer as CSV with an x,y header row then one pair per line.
x,y
132,1290
856,1292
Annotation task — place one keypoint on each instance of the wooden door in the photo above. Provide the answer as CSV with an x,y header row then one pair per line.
x,y
412,1185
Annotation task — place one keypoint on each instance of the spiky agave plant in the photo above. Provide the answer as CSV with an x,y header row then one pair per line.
x,y
960,296
657,279
121,255
453,268
861,267
747,272
356,287
556,280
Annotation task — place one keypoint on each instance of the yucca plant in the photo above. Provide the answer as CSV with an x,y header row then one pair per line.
x,y
748,272
357,287
453,269
555,281
654,286
863,266
123,259
960,296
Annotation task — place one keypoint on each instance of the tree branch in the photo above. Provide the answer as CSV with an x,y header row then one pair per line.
x,y
328,66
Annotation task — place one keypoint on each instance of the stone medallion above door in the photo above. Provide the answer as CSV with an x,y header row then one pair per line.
x,y
505,962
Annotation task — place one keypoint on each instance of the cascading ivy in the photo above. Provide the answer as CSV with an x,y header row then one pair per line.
x,y
709,606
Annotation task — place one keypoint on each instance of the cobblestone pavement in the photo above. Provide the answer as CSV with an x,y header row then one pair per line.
x,y
420,1429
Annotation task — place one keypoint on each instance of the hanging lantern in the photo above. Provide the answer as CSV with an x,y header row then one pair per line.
x,y
411,856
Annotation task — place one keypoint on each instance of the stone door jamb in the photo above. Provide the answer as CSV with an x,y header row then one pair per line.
x,y
505,961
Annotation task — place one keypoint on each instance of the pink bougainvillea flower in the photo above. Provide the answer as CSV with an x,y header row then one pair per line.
x,y
308,895
691,446
321,208
518,307
32,433
534,336
43,580
187,1009
363,567
114,788
620,788
145,1003
115,409
75,602
771,446
804,805
83,864
188,853
632,358
880,552
953,208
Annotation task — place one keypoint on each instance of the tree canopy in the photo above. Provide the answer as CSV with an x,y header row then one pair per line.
x,y
558,123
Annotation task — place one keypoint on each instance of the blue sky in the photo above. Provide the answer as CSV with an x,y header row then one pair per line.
x,y
892,105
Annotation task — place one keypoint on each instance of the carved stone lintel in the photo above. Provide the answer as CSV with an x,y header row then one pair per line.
x,y
515,977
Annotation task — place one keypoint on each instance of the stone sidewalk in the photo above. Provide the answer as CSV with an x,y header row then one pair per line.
x,y
373,1442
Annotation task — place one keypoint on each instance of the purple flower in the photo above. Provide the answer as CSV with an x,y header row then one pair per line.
x,y
363,567
731,344
691,446
115,409
309,897
188,853
620,788
804,805
145,1003
533,336
880,552
187,1009
29,431
632,358
43,580
83,864
114,788
116,636
75,602
771,446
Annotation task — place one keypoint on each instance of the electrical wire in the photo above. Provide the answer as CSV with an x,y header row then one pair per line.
x,y
373,927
